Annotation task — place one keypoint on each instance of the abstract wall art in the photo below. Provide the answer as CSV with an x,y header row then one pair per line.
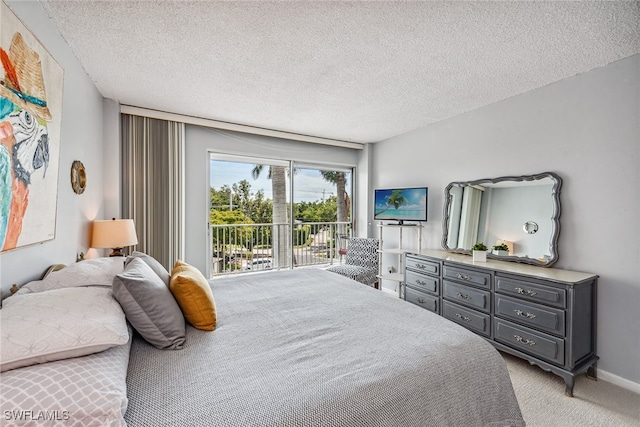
x,y
30,119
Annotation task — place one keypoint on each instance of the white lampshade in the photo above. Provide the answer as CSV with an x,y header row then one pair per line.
x,y
114,234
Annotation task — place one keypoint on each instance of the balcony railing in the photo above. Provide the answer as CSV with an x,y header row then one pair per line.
x,y
240,248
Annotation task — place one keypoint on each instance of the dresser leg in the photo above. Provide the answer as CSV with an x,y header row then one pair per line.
x,y
592,372
569,382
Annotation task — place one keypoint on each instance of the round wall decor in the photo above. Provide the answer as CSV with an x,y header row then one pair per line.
x,y
530,227
78,177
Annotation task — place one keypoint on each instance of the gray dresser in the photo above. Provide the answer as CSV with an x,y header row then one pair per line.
x,y
544,315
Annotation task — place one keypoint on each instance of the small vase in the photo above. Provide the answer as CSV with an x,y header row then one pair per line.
x,y
501,253
479,256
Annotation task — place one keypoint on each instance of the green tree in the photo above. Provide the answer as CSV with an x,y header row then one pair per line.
x,y
233,236
317,211
262,209
242,193
221,199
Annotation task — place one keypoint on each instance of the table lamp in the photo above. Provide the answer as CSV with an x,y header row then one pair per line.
x,y
114,234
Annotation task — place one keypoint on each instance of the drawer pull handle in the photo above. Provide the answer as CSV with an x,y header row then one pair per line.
x,y
463,276
420,282
523,314
421,266
420,301
526,292
463,296
461,317
524,340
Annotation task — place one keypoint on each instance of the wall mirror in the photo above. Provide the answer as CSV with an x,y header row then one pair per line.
x,y
523,212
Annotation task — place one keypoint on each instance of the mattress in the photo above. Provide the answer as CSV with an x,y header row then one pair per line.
x,y
310,347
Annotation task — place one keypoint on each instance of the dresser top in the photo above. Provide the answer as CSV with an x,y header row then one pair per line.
x,y
554,274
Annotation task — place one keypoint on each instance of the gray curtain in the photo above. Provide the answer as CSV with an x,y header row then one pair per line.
x,y
153,185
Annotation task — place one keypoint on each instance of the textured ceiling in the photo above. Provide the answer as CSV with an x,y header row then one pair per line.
x,y
352,71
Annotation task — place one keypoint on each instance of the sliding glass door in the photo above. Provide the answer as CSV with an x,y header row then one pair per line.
x,y
322,213
264,217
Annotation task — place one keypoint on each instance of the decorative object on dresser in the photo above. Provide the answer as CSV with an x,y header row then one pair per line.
x,y
544,315
395,271
114,234
493,209
501,249
479,251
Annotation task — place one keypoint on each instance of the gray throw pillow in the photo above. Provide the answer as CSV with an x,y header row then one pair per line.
x,y
149,305
153,263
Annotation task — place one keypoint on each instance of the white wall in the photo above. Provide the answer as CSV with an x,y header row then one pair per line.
x,y
81,139
199,141
586,129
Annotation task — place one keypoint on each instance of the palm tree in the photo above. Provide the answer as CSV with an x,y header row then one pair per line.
x,y
278,177
396,199
339,179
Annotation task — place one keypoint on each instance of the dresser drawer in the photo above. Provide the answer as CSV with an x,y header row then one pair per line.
x,y
531,291
459,274
420,264
421,299
535,315
470,319
535,343
422,282
467,295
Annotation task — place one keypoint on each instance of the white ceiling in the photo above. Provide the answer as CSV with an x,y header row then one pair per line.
x,y
352,71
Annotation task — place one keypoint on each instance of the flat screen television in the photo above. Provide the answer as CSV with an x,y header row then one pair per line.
x,y
401,204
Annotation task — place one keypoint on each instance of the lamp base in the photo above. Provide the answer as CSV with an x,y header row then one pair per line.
x,y
116,252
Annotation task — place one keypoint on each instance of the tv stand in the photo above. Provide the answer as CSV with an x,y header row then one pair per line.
x,y
390,253
401,223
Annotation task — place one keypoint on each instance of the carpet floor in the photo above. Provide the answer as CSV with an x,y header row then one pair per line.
x,y
595,403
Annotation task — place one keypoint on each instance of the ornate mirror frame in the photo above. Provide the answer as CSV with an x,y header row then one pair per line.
x,y
555,217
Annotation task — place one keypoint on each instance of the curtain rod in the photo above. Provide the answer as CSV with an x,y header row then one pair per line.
x,y
198,121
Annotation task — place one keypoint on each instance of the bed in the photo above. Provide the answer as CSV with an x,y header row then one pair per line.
x,y
298,348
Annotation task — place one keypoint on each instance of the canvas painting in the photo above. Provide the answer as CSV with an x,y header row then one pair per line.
x,y
30,118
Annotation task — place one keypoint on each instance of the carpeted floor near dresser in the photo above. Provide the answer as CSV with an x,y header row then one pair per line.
x,y
595,403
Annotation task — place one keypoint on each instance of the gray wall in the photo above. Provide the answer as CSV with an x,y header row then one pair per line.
x,y
81,139
586,129
199,141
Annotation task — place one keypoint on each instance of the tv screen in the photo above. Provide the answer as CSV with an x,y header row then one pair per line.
x,y
401,204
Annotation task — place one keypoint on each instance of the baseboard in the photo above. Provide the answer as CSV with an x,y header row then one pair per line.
x,y
619,381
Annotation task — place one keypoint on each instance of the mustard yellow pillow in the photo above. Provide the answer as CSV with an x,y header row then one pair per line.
x,y
193,293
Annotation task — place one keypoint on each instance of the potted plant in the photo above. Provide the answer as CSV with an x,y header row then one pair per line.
x,y
479,252
501,249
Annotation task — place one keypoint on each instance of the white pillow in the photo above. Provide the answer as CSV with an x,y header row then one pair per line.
x,y
59,324
90,272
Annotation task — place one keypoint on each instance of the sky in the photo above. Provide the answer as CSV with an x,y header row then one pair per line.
x,y
309,184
